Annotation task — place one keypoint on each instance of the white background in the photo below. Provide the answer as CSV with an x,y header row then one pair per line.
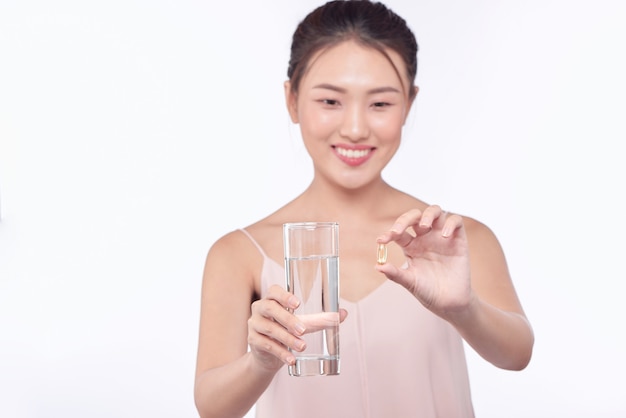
x,y
134,133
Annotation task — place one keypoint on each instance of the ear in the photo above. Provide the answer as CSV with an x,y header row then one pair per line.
x,y
411,100
291,99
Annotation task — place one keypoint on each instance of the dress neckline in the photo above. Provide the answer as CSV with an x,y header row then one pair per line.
x,y
371,294
268,259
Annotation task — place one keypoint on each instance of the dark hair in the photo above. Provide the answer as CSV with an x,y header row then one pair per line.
x,y
369,23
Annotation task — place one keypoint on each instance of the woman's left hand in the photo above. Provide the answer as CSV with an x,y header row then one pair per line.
x,y
437,270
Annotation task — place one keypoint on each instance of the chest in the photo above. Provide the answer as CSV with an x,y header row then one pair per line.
x,y
357,259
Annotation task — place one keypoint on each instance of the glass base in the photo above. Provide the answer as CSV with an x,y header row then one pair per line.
x,y
316,366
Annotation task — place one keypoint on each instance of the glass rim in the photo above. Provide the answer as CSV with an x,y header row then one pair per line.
x,y
309,224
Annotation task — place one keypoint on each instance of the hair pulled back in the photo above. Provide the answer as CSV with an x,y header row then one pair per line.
x,y
369,23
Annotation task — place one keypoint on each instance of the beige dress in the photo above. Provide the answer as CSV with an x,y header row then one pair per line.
x,y
398,360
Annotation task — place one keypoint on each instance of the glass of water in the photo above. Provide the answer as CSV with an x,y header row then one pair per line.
x,y
312,275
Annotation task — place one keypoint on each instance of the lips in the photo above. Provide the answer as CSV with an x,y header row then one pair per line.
x,y
353,156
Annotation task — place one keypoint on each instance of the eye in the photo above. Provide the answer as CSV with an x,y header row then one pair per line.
x,y
330,102
381,104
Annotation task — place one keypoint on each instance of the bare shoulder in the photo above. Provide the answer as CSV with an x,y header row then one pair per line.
x,y
233,245
228,288
490,274
479,235
477,231
472,225
232,262
400,202
268,231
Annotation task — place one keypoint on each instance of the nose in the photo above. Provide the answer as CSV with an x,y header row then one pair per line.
x,y
354,125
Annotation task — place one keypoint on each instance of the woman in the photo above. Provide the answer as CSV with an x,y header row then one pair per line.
x,y
350,88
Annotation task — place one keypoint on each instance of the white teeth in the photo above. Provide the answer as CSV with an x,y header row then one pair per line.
x,y
352,153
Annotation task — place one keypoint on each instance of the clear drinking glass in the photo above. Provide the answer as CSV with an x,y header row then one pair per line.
x,y
312,274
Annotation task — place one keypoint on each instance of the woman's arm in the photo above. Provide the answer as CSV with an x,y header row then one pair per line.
x,y
494,323
457,269
229,377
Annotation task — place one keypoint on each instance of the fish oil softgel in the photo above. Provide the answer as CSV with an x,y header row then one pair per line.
x,y
381,254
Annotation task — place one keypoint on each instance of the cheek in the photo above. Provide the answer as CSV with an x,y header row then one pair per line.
x,y
315,122
388,128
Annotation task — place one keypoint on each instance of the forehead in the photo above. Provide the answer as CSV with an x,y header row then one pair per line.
x,y
353,61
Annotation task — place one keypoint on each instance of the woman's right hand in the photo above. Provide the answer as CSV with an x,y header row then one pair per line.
x,y
272,329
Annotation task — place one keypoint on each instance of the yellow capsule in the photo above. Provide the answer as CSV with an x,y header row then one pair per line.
x,y
381,255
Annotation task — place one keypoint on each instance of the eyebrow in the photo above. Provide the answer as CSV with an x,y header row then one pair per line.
x,y
371,91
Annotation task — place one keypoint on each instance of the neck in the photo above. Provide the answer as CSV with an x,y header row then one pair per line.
x,y
323,201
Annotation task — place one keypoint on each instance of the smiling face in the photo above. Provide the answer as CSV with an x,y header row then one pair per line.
x,y
351,105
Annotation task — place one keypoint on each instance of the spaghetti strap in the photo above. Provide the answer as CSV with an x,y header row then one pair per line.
x,y
256,244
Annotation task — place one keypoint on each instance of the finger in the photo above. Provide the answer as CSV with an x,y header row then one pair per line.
x,y
400,276
319,321
401,232
264,324
411,224
452,223
429,215
402,239
406,220
283,297
342,314
286,300
263,344
277,314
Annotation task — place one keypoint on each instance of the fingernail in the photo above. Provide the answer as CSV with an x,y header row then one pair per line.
x,y
290,360
396,228
300,345
300,328
293,302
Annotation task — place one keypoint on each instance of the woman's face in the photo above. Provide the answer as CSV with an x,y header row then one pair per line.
x,y
351,105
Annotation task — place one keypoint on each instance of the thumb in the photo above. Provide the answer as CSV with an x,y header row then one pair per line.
x,y
400,276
